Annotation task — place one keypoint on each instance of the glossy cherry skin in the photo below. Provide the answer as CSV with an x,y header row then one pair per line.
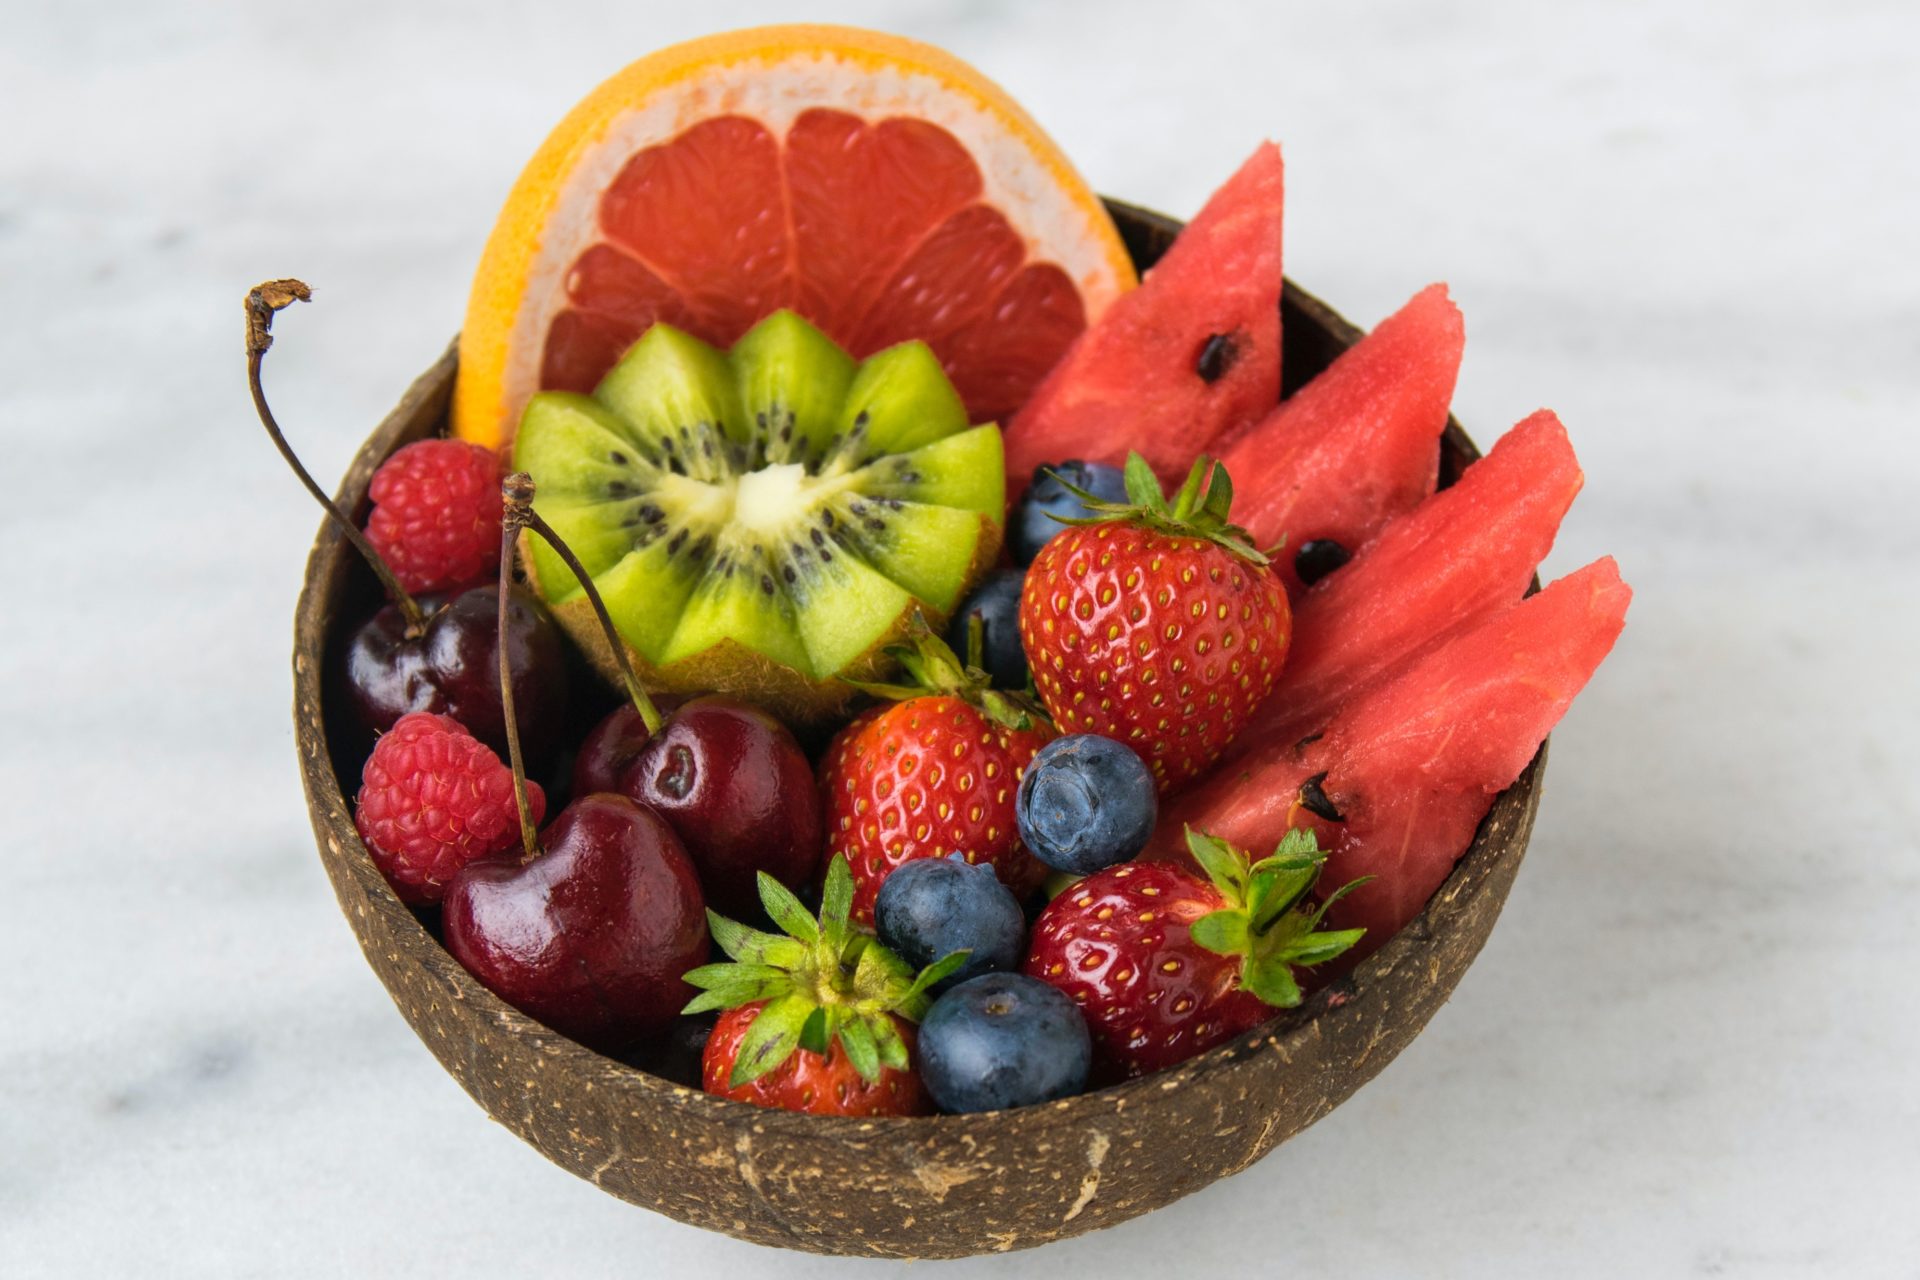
x,y
611,747
453,668
591,937
738,789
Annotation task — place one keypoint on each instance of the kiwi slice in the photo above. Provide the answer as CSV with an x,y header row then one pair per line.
x,y
763,521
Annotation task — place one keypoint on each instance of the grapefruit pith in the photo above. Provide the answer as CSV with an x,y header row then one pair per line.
x,y
880,187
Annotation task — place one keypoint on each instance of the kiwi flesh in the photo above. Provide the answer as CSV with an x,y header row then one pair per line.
x,y
762,521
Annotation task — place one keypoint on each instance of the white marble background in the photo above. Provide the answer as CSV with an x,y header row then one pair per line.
x,y
1689,1048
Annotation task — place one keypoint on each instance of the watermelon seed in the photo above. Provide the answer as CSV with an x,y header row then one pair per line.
x,y
1217,355
1314,799
1319,557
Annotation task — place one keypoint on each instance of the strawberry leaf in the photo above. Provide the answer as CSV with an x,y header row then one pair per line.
x,y
1143,487
1265,898
731,994
771,1039
893,1048
976,643
1190,516
1223,932
932,668
1318,948
1266,919
1288,884
787,911
933,973
1334,897
1005,711
1225,865
1188,499
1300,843
1273,982
825,983
750,946
886,692
1219,500
836,903
814,1036
711,977
880,977
856,1038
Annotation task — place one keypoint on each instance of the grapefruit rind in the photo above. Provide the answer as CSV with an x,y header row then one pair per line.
x,y
770,74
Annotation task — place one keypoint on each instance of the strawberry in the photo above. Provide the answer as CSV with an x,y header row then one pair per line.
x,y
1158,625
821,1084
820,1016
1166,965
933,774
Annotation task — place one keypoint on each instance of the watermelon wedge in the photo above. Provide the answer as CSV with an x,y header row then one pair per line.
x,y
1466,552
1194,351
1412,764
1358,445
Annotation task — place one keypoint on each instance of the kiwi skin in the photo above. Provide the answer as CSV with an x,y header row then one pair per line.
x,y
734,669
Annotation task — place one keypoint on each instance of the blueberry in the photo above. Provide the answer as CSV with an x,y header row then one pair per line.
x,y
932,907
1003,1040
1086,803
997,602
1032,525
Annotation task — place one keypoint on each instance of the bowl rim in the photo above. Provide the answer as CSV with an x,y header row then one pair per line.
x,y
327,565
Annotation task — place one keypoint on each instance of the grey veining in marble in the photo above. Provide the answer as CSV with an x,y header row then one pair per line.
x,y
1690,1047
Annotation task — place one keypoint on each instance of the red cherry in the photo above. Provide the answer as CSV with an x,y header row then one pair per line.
x,y
592,935
738,790
611,747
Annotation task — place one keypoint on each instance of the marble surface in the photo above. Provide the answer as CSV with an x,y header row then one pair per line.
x,y
1689,1048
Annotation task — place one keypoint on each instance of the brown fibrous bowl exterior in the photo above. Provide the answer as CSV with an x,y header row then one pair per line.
x,y
937,1187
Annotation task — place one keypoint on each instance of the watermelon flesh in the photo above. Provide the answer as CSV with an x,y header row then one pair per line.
x,y
1137,379
1356,446
1413,762
1466,552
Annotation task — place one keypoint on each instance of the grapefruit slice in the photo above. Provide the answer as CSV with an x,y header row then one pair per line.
x,y
882,188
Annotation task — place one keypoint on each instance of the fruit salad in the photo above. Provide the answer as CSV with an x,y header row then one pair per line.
x,y
860,650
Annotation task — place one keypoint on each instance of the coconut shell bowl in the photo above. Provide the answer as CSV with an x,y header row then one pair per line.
x,y
935,1187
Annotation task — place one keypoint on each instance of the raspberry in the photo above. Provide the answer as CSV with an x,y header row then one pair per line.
x,y
436,513
432,799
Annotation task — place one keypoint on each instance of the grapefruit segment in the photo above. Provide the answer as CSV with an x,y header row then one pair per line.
x,y
847,241
879,187
1356,446
1135,380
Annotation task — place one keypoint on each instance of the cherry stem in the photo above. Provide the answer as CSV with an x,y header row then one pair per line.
x,y
262,301
517,489
512,519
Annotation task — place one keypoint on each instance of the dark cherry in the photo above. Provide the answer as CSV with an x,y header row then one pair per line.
x,y
591,935
431,654
737,788
453,667
612,746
